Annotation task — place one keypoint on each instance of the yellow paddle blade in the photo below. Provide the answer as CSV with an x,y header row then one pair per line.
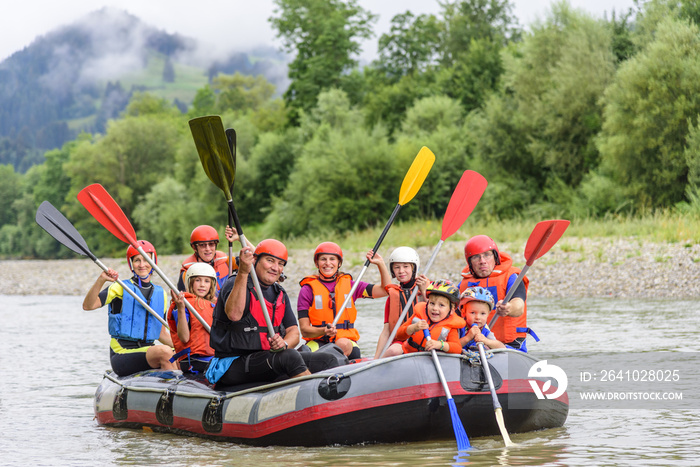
x,y
416,175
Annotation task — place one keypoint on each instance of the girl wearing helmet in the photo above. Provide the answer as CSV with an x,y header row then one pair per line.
x,y
132,327
439,317
403,265
203,240
491,269
475,305
322,295
190,338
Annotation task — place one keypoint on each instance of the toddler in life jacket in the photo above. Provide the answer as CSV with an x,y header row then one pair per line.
x,y
475,305
438,317
190,337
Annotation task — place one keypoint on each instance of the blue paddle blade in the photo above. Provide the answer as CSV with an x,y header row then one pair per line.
x,y
460,434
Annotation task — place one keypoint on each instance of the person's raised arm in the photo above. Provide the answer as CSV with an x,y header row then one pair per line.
x,y
235,303
378,292
92,299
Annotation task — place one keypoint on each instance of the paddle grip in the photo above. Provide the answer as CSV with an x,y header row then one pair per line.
x,y
510,293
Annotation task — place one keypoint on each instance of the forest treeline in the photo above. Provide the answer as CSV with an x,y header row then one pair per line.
x,y
573,117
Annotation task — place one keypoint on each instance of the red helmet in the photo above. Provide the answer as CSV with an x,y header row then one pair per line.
x,y
204,233
328,248
272,247
146,246
480,244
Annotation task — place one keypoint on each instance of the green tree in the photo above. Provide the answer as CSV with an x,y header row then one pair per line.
x,y
323,36
204,102
649,110
409,47
9,191
241,92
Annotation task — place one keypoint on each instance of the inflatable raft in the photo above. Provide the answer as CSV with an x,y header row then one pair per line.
x,y
395,399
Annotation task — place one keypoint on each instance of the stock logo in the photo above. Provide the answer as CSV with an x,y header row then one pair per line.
x,y
543,370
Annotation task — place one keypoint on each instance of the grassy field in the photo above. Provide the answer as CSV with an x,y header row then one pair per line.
x,y
664,227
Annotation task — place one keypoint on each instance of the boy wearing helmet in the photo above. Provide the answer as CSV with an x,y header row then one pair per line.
x,y
475,306
190,337
203,240
403,265
323,294
438,316
243,350
493,270
132,327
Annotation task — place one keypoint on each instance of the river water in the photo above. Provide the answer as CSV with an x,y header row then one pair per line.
x,y
54,355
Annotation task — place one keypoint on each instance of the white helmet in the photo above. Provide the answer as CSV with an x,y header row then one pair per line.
x,y
404,254
199,269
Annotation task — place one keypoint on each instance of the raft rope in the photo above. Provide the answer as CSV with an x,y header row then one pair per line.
x,y
473,356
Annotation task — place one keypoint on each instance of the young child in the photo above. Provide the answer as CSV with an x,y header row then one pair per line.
x,y
190,338
439,317
475,305
403,265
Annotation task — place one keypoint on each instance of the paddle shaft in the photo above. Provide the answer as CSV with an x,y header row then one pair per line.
x,y
413,296
496,403
172,286
346,302
253,273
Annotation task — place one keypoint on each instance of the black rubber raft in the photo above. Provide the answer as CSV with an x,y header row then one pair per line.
x,y
395,399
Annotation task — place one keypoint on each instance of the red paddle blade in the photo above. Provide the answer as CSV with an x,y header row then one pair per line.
x,y
463,201
107,212
543,237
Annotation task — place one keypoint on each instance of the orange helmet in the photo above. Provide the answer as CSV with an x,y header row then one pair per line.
x,y
204,233
328,248
146,246
272,247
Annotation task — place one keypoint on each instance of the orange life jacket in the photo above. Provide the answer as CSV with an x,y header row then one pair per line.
x,y
452,324
219,263
199,337
397,301
320,311
506,328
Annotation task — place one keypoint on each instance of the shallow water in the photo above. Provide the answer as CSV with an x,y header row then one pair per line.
x,y
54,355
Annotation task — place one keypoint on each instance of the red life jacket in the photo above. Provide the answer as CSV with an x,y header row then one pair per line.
x,y
219,263
320,312
452,324
397,301
249,334
506,328
199,337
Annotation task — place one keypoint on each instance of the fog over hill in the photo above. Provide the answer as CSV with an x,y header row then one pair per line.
x,y
78,76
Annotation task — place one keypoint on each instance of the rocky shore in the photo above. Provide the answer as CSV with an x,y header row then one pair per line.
x,y
600,267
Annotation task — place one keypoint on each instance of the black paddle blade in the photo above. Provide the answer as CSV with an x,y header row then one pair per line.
x,y
50,219
231,138
214,153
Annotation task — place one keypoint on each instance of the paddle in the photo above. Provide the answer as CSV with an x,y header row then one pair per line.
x,y
231,138
496,404
217,161
107,212
50,219
543,237
412,182
462,202
460,434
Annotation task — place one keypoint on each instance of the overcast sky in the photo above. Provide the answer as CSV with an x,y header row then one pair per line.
x,y
224,24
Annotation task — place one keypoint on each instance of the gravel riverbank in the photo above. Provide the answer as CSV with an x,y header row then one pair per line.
x,y
601,267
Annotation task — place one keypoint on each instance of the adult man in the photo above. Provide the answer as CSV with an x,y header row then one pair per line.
x,y
203,240
483,257
243,350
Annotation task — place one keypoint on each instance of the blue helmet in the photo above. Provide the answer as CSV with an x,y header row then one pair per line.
x,y
479,294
